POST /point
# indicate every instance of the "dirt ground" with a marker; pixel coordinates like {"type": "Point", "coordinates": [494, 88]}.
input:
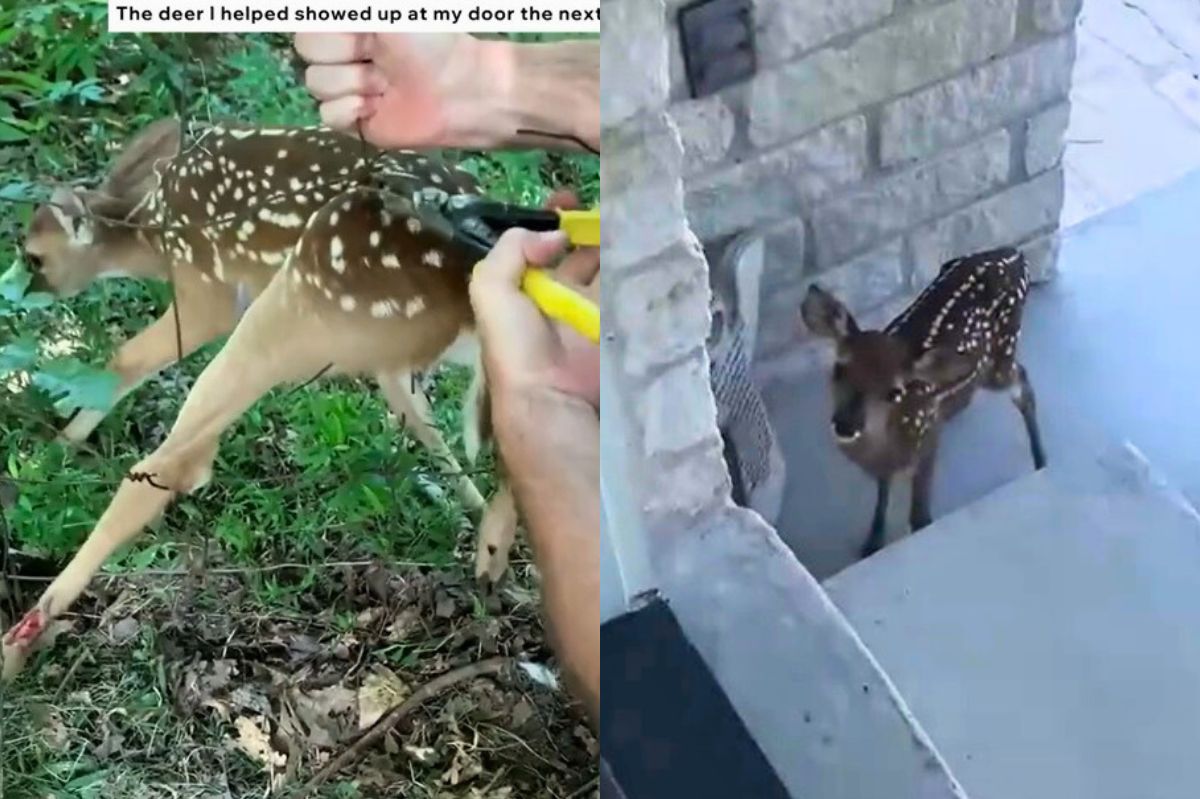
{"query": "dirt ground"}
{"type": "Point", "coordinates": [186, 686]}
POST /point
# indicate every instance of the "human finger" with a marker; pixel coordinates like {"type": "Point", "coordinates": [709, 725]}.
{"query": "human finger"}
{"type": "Point", "coordinates": [344, 112]}
{"type": "Point", "coordinates": [329, 82]}
{"type": "Point", "coordinates": [580, 267]}
{"type": "Point", "coordinates": [515, 250]}
{"type": "Point", "coordinates": [562, 200]}
{"type": "Point", "coordinates": [333, 48]}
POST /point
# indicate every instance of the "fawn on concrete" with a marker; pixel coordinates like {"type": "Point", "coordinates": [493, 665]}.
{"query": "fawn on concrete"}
{"type": "Point", "coordinates": [893, 389]}
{"type": "Point", "coordinates": [282, 220]}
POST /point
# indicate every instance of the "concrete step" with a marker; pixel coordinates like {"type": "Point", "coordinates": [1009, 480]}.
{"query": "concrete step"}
{"type": "Point", "coordinates": [1046, 637]}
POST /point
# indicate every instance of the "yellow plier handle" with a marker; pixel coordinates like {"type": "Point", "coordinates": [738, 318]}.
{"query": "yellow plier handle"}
{"type": "Point", "coordinates": [558, 301]}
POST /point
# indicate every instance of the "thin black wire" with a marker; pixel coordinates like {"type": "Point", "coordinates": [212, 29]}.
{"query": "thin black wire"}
{"type": "Point", "coordinates": [560, 136]}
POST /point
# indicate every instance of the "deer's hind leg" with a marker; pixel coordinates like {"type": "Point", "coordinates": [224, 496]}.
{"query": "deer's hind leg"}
{"type": "Point", "coordinates": [1009, 374]}
{"type": "Point", "coordinates": [275, 343]}
{"type": "Point", "coordinates": [412, 407]}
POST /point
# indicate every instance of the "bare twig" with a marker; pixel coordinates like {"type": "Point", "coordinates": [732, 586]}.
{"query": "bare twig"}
{"type": "Point", "coordinates": [586, 789]}
{"type": "Point", "coordinates": [397, 714]}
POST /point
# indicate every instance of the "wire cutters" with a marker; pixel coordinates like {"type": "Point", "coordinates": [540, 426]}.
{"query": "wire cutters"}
{"type": "Point", "coordinates": [477, 223]}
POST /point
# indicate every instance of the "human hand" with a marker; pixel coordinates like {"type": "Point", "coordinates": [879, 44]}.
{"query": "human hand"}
{"type": "Point", "coordinates": [408, 90]}
{"type": "Point", "coordinates": [524, 351]}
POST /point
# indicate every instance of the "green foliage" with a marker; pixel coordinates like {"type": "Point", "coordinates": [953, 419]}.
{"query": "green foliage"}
{"type": "Point", "coordinates": [304, 477]}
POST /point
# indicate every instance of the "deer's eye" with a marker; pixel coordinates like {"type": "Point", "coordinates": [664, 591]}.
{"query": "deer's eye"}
{"type": "Point", "coordinates": [896, 395]}
{"type": "Point", "coordinates": [34, 261]}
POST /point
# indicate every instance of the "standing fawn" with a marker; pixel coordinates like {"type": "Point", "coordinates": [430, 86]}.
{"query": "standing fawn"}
{"type": "Point", "coordinates": [893, 389]}
{"type": "Point", "coordinates": [336, 285]}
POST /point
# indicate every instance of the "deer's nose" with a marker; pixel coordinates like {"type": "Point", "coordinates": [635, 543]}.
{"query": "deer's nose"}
{"type": "Point", "coordinates": [848, 421]}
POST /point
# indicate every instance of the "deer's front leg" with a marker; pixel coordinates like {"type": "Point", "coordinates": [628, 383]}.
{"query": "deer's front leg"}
{"type": "Point", "coordinates": [883, 488]}
{"type": "Point", "coordinates": [919, 514]}
{"type": "Point", "coordinates": [275, 343]}
{"type": "Point", "coordinates": [205, 313]}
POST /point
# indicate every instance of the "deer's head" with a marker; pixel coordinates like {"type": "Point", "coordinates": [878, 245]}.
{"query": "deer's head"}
{"type": "Point", "coordinates": [81, 235]}
{"type": "Point", "coordinates": [881, 386]}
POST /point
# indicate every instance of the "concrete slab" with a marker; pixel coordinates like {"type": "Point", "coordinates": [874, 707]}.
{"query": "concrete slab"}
{"type": "Point", "coordinates": [1110, 347]}
{"type": "Point", "coordinates": [1124, 138]}
{"type": "Point", "coordinates": [1135, 121]}
{"type": "Point", "coordinates": [1045, 637]}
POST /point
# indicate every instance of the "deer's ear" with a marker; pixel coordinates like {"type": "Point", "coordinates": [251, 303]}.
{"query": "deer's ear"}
{"type": "Point", "coordinates": [942, 364]}
{"type": "Point", "coordinates": [132, 173]}
{"type": "Point", "coordinates": [825, 315]}
{"type": "Point", "coordinates": [70, 212]}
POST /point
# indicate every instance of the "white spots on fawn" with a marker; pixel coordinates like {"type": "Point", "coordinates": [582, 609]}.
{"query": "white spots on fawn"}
{"type": "Point", "coordinates": [218, 263]}
{"type": "Point", "coordinates": [273, 258]}
{"type": "Point", "coordinates": [281, 154]}
{"type": "Point", "coordinates": [289, 220]}
{"type": "Point", "coordinates": [334, 218]}
{"type": "Point", "coordinates": [432, 258]}
{"type": "Point", "coordinates": [374, 238]}
{"type": "Point", "coordinates": [381, 309]}
{"type": "Point", "coordinates": [269, 170]}
{"type": "Point", "coordinates": [246, 230]}
{"type": "Point", "coordinates": [295, 185]}
{"type": "Point", "coordinates": [414, 225]}
{"type": "Point", "coordinates": [414, 306]}
{"type": "Point", "coordinates": [335, 254]}
{"type": "Point", "coordinates": [390, 261]}
{"type": "Point", "coordinates": [348, 303]}
{"type": "Point", "coordinates": [210, 209]}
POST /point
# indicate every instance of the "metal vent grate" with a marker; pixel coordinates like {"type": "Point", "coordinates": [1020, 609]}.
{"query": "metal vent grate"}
{"type": "Point", "coordinates": [752, 452]}
{"type": "Point", "coordinates": [717, 38]}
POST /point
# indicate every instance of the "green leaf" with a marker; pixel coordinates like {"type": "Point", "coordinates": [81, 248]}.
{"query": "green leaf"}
{"type": "Point", "coordinates": [21, 190]}
{"type": "Point", "coordinates": [10, 134]}
{"type": "Point", "coordinates": [36, 300]}
{"type": "Point", "coordinates": [74, 385]}
{"type": "Point", "coordinates": [14, 282]}
{"type": "Point", "coordinates": [17, 355]}
{"type": "Point", "coordinates": [35, 82]}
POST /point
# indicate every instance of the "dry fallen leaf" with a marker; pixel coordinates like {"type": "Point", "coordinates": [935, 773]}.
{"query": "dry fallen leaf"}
{"type": "Point", "coordinates": [421, 754]}
{"type": "Point", "coordinates": [330, 715]}
{"type": "Point", "coordinates": [381, 691]}
{"type": "Point", "coordinates": [50, 727]}
{"type": "Point", "coordinates": [256, 743]}
{"type": "Point", "coordinates": [124, 630]}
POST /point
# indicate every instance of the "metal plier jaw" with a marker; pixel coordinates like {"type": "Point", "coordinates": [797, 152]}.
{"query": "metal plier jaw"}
{"type": "Point", "coordinates": [476, 223]}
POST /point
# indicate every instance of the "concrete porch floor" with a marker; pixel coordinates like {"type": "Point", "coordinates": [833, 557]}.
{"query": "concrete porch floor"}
{"type": "Point", "coordinates": [1110, 346]}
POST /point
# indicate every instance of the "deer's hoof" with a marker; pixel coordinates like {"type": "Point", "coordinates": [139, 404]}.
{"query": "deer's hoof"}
{"type": "Point", "coordinates": [491, 564]}
{"type": "Point", "coordinates": [13, 661]}
{"type": "Point", "coordinates": [870, 548]}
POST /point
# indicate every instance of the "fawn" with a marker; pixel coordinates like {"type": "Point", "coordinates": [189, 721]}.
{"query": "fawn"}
{"type": "Point", "coordinates": [336, 284]}
{"type": "Point", "coordinates": [892, 389]}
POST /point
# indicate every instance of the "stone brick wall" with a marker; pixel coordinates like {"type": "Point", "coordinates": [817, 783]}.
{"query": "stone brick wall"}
{"type": "Point", "coordinates": [760, 621]}
{"type": "Point", "coordinates": [879, 139]}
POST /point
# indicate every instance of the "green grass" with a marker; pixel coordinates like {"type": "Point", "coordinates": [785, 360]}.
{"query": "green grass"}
{"type": "Point", "coordinates": [305, 477]}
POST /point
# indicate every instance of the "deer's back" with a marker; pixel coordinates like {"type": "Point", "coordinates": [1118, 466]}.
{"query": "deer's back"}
{"type": "Point", "coordinates": [235, 202]}
{"type": "Point", "coordinates": [974, 304]}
